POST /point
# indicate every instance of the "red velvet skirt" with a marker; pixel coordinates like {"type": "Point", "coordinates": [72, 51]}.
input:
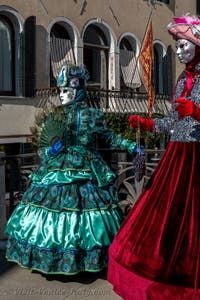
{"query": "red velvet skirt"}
{"type": "Point", "coordinates": [156, 252]}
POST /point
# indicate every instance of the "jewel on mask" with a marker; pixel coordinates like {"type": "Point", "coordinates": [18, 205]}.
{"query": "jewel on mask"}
{"type": "Point", "coordinates": [74, 82]}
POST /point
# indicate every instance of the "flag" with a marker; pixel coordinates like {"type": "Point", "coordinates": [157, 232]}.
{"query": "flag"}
{"type": "Point", "coordinates": [146, 61]}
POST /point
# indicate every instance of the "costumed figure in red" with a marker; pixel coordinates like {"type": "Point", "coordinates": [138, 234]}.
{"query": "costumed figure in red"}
{"type": "Point", "coordinates": [156, 253]}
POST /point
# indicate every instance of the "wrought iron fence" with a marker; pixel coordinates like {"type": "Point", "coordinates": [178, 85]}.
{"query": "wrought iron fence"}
{"type": "Point", "coordinates": [127, 101]}
{"type": "Point", "coordinates": [17, 168]}
{"type": "Point", "coordinates": [111, 100]}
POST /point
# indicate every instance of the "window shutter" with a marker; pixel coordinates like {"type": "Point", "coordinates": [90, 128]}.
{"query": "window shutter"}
{"type": "Point", "coordinates": [198, 7]}
{"type": "Point", "coordinates": [169, 63]}
{"type": "Point", "coordinates": [30, 56]}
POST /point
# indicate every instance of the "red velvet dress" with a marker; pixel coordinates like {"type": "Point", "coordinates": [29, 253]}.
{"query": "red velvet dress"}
{"type": "Point", "coordinates": [156, 253]}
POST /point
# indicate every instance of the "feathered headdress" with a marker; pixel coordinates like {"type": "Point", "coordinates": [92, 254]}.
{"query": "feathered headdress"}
{"type": "Point", "coordinates": [69, 71]}
{"type": "Point", "coordinates": [186, 27]}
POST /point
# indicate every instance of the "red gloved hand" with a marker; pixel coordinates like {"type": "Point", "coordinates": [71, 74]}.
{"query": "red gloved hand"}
{"type": "Point", "coordinates": [187, 108]}
{"type": "Point", "coordinates": [145, 124]}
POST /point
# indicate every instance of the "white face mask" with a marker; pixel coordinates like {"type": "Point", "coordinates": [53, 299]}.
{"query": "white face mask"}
{"type": "Point", "coordinates": [185, 50]}
{"type": "Point", "coordinates": [67, 95]}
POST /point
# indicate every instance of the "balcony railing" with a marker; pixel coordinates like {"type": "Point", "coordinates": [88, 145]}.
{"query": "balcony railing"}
{"type": "Point", "coordinates": [111, 100]}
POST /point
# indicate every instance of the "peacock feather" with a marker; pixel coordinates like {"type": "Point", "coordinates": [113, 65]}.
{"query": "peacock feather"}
{"type": "Point", "coordinates": [48, 127]}
{"type": "Point", "coordinates": [51, 132]}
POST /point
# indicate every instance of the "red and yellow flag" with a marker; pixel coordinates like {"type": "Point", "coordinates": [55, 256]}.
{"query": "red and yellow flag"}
{"type": "Point", "coordinates": [146, 61]}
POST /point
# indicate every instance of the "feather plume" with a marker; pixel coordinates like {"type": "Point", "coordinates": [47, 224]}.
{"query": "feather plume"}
{"type": "Point", "coordinates": [52, 131]}
{"type": "Point", "coordinates": [187, 19]}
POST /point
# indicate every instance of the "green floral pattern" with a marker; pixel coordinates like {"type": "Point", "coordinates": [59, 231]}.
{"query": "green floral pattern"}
{"type": "Point", "coordinates": [54, 261]}
{"type": "Point", "coordinates": [72, 196]}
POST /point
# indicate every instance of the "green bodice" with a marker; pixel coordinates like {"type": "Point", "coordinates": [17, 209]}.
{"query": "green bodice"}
{"type": "Point", "coordinates": [79, 160]}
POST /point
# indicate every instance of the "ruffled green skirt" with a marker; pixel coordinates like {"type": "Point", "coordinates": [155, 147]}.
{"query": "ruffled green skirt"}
{"type": "Point", "coordinates": [64, 229]}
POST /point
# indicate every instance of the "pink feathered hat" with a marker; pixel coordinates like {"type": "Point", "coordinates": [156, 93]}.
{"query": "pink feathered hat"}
{"type": "Point", "coordinates": [186, 27]}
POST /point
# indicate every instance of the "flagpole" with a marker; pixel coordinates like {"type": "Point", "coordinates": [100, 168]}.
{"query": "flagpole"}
{"type": "Point", "coordinates": [148, 21]}
{"type": "Point", "coordinates": [136, 65]}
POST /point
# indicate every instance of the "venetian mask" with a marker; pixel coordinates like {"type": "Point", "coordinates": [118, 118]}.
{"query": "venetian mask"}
{"type": "Point", "coordinates": [67, 95]}
{"type": "Point", "coordinates": [185, 50]}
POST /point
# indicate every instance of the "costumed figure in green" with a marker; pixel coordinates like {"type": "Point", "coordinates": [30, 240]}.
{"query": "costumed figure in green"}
{"type": "Point", "coordinates": [69, 214]}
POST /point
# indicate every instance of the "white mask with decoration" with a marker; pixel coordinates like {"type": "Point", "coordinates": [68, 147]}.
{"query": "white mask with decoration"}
{"type": "Point", "coordinates": [68, 94]}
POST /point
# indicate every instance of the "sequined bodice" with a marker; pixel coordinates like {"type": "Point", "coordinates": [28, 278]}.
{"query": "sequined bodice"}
{"type": "Point", "coordinates": [187, 129]}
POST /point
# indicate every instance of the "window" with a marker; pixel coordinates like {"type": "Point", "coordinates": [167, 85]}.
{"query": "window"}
{"type": "Point", "coordinates": [129, 73]}
{"type": "Point", "coordinates": [162, 69]}
{"type": "Point", "coordinates": [158, 68]}
{"type": "Point", "coordinates": [164, 1]}
{"type": "Point", "coordinates": [61, 50]}
{"type": "Point", "coordinates": [198, 7]}
{"type": "Point", "coordinates": [7, 66]}
{"type": "Point", "coordinates": [30, 56]}
{"type": "Point", "coordinates": [155, 1]}
{"type": "Point", "coordinates": [96, 57]}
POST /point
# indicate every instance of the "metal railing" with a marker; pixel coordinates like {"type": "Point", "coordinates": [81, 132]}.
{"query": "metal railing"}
{"type": "Point", "coordinates": [111, 100]}
{"type": "Point", "coordinates": [15, 170]}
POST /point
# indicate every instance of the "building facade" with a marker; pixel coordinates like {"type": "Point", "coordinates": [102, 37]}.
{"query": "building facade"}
{"type": "Point", "coordinates": [38, 36]}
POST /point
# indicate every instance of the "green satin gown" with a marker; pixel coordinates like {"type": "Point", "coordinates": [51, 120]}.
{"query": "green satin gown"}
{"type": "Point", "coordinates": [69, 214]}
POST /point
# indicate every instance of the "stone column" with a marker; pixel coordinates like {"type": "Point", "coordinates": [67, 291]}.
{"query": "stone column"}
{"type": "Point", "coordinates": [3, 220]}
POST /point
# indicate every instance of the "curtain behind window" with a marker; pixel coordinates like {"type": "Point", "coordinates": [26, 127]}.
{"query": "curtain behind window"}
{"type": "Point", "coordinates": [61, 52]}
{"type": "Point", "coordinates": [6, 62]}
{"type": "Point", "coordinates": [129, 69]}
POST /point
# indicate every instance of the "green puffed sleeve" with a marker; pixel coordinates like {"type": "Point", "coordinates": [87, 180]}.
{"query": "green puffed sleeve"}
{"type": "Point", "coordinates": [112, 139]}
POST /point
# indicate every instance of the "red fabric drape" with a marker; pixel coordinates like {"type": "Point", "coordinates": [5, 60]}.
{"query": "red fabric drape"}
{"type": "Point", "coordinates": [160, 238]}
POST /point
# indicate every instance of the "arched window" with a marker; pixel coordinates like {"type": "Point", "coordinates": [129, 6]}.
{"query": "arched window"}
{"type": "Point", "coordinates": [7, 65]}
{"type": "Point", "coordinates": [160, 75]}
{"type": "Point", "coordinates": [129, 74]}
{"type": "Point", "coordinates": [198, 7]}
{"type": "Point", "coordinates": [96, 56]}
{"type": "Point", "coordinates": [61, 50]}
{"type": "Point", "coordinates": [163, 64]}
